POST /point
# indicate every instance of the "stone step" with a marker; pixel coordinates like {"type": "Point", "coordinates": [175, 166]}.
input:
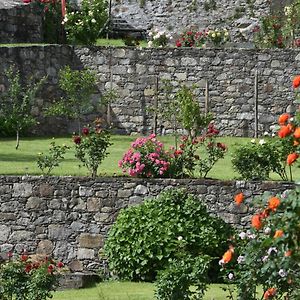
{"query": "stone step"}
{"type": "Point", "coordinates": [77, 280]}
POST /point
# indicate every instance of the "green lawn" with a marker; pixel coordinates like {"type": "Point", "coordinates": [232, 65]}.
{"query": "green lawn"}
{"type": "Point", "coordinates": [23, 161]}
{"type": "Point", "coordinates": [126, 291]}
{"type": "Point", "coordinates": [116, 43]}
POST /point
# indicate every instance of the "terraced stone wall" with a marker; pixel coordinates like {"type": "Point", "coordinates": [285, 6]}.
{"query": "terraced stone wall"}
{"type": "Point", "coordinates": [69, 217]}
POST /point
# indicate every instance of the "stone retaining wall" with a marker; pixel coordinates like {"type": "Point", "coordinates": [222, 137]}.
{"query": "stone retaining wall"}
{"type": "Point", "coordinates": [69, 217]}
{"type": "Point", "coordinates": [20, 24]}
{"type": "Point", "coordinates": [133, 73]}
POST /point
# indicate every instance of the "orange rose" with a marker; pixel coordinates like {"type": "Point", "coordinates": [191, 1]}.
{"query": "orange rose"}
{"type": "Point", "coordinates": [239, 198]}
{"type": "Point", "coordinates": [269, 293]}
{"type": "Point", "coordinates": [283, 119]}
{"type": "Point", "coordinates": [296, 82]}
{"type": "Point", "coordinates": [297, 133]}
{"type": "Point", "coordinates": [273, 202]}
{"type": "Point", "coordinates": [296, 143]}
{"type": "Point", "coordinates": [284, 131]}
{"type": "Point", "coordinates": [292, 158]}
{"type": "Point", "coordinates": [227, 257]}
{"type": "Point", "coordinates": [278, 233]}
{"type": "Point", "coordinates": [256, 222]}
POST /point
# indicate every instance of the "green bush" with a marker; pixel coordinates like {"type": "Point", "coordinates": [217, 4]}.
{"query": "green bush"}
{"type": "Point", "coordinates": [175, 281]}
{"type": "Point", "coordinates": [144, 238]}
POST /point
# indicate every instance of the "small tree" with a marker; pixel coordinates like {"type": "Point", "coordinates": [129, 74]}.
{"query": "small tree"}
{"type": "Point", "coordinates": [78, 87]}
{"type": "Point", "coordinates": [16, 103]}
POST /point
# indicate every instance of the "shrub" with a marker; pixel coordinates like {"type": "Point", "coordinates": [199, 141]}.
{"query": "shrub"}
{"type": "Point", "coordinates": [83, 26]}
{"type": "Point", "coordinates": [192, 38]}
{"type": "Point", "coordinates": [158, 38]}
{"type": "Point", "coordinates": [24, 279]}
{"type": "Point", "coordinates": [91, 147]}
{"type": "Point", "coordinates": [268, 253]}
{"type": "Point", "coordinates": [176, 280]}
{"type": "Point", "coordinates": [144, 238]}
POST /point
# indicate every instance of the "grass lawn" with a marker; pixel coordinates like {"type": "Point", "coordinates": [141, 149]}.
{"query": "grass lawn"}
{"type": "Point", "coordinates": [116, 43]}
{"type": "Point", "coordinates": [23, 160]}
{"type": "Point", "coordinates": [126, 291]}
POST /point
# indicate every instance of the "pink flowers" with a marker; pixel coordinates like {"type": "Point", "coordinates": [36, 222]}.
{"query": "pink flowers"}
{"type": "Point", "coordinates": [146, 158]}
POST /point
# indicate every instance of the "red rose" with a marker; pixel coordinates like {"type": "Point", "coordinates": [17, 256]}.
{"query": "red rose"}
{"type": "Point", "coordinates": [60, 264]}
{"type": "Point", "coordinates": [85, 131]}
{"type": "Point", "coordinates": [77, 139]}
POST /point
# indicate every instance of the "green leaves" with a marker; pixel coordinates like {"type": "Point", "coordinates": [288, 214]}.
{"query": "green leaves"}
{"type": "Point", "coordinates": [146, 237]}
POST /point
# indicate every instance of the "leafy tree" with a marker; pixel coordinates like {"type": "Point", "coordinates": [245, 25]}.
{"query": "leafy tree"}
{"type": "Point", "coordinates": [16, 104]}
{"type": "Point", "coordinates": [78, 87]}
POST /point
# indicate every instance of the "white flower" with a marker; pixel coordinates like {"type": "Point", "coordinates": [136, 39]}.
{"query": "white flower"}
{"type": "Point", "coordinates": [265, 258]}
{"type": "Point", "coordinates": [93, 21]}
{"type": "Point", "coordinates": [240, 259]}
{"type": "Point", "coordinates": [221, 262]}
{"type": "Point", "coordinates": [282, 273]}
{"type": "Point", "coordinates": [242, 235]}
{"type": "Point", "coordinates": [230, 276]}
{"type": "Point", "coordinates": [267, 230]}
{"type": "Point", "coordinates": [150, 44]}
{"type": "Point", "coordinates": [253, 141]}
{"type": "Point", "coordinates": [261, 142]}
{"type": "Point", "coordinates": [272, 249]}
{"type": "Point", "coordinates": [150, 33]}
{"type": "Point", "coordinates": [291, 119]}
{"type": "Point", "coordinates": [266, 133]}
{"type": "Point", "coordinates": [65, 20]}
{"type": "Point", "coordinates": [90, 13]}
{"type": "Point", "coordinates": [180, 238]}
{"type": "Point", "coordinates": [213, 35]}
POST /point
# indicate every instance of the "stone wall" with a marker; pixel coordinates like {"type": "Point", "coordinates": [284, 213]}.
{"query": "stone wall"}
{"type": "Point", "coordinates": [69, 217]}
{"type": "Point", "coordinates": [133, 73]}
{"type": "Point", "coordinates": [19, 23]}
{"type": "Point", "coordinates": [178, 15]}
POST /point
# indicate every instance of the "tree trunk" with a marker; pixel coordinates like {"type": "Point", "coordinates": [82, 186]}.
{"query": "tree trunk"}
{"type": "Point", "coordinates": [18, 140]}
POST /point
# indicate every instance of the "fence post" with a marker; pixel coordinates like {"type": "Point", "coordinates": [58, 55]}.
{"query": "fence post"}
{"type": "Point", "coordinates": [256, 105]}
{"type": "Point", "coordinates": [155, 106]}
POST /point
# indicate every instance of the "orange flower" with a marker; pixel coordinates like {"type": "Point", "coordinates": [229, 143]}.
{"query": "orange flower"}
{"type": "Point", "coordinates": [274, 202]}
{"type": "Point", "coordinates": [288, 253]}
{"type": "Point", "coordinates": [292, 158]}
{"type": "Point", "coordinates": [297, 133]}
{"type": "Point", "coordinates": [269, 293]}
{"type": "Point", "coordinates": [283, 119]}
{"type": "Point", "coordinates": [227, 257]}
{"type": "Point", "coordinates": [239, 198]}
{"type": "Point", "coordinates": [296, 82]}
{"type": "Point", "coordinates": [256, 222]}
{"type": "Point", "coordinates": [296, 143]}
{"type": "Point", "coordinates": [278, 233]}
{"type": "Point", "coordinates": [284, 131]}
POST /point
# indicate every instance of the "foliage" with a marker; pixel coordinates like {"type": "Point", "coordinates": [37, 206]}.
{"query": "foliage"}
{"type": "Point", "coordinates": [83, 26]}
{"type": "Point", "coordinates": [78, 87]}
{"type": "Point", "coordinates": [218, 36]}
{"type": "Point", "coordinates": [47, 162]}
{"type": "Point", "coordinates": [144, 238]}
{"type": "Point", "coordinates": [192, 38]}
{"type": "Point", "coordinates": [91, 147]}
{"type": "Point", "coordinates": [16, 103]}
{"type": "Point", "coordinates": [158, 38]}
{"type": "Point", "coordinates": [255, 160]}
{"type": "Point", "coordinates": [176, 280]}
{"type": "Point", "coordinates": [52, 17]}
{"type": "Point", "coordinates": [24, 279]}
{"type": "Point", "coordinates": [268, 253]}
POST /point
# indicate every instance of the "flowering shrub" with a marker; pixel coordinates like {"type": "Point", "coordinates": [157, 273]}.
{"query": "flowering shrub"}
{"type": "Point", "coordinates": [26, 279]}
{"type": "Point", "coordinates": [192, 38]}
{"type": "Point", "coordinates": [267, 254]}
{"type": "Point", "coordinates": [159, 38]}
{"type": "Point", "coordinates": [47, 162]}
{"type": "Point", "coordinates": [91, 147]}
{"type": "Point", "coordinates": [83, 26]}
{"type": "Point", "coordinates": [218, 36]}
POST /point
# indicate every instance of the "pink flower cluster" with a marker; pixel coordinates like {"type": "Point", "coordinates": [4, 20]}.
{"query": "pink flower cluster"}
{"type": "Point", "coordinates": [146, 158]}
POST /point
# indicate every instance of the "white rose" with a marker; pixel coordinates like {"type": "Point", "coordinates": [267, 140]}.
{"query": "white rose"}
{"type": "Point", "coordinates": [93, 21]}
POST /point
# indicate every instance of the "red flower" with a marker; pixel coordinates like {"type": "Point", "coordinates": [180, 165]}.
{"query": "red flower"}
{"type": "Point", "coordinates": [296, 82]}
{"type": "Point", "coordinates": [284, 131]}
{"type": "Point", "coordinates": [178, 152]}
{"type": "Point", "coordinates": [256, 222]}
{"type": "Point", "coordinates": [28, 268]}
{"type": "Point", "coordinates": [227, 257]}
{"type": "Point", "coordinates": [269, 293]}
{"type": "Point", "coordinates": [77, 139]}
{"type": "Point", "coordinates": [273, 203]}
{"type": "Point", "coordinates": [283, 119]}
{"type": "Point", "coordinates": [239, 198]}
{"type": "Point", "coordinates": [26, 1]}
{"type": "Point", "coordinates": [85, 131]}
{"type": "Point", "coordinates": [50, 269]}
{"type": "Point", "coordinates": [60, 264]}
{"type": "Point", "coordinates": [221, 146]}
{"type": "Point", "coordinates": [297, 133]}
{"type": "Point", "coordinates": [178, 43]}
{"type": "Point", "coordinates": [24, 257]}
{"type": "Point", "coordinates": [292, 158]}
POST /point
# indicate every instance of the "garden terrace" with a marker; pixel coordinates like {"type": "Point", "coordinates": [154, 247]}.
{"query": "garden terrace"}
{"type": "Point", "coordinates": [134, 74]}
{"type": "Point", "coordinates": [69, 217]}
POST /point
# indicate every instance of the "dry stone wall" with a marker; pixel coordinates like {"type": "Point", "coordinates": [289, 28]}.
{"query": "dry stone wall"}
{"type": "Point", "coordinates": [134, 72]}
{"type": "Point", "coordinates": [19, 23]}
{"type": "Point", "coordinates": [69, 217]}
